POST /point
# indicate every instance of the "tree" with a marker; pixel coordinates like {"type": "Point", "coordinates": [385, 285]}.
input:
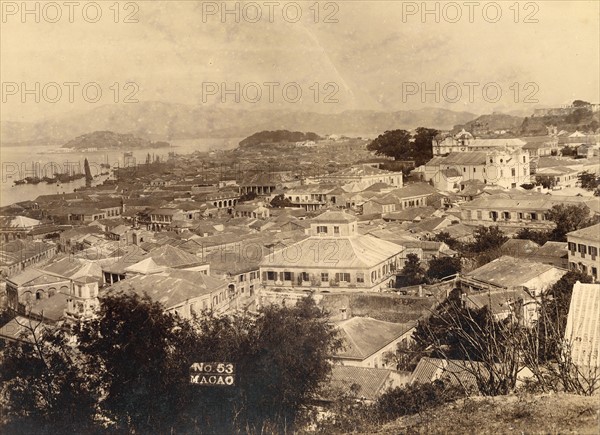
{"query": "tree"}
{"type": "Point", "coordinates": [423, 144]}
{"type": "Point", "coordinates": [487, 239]}
{"type": "Point", "coordinates": [44, 384]}
{"type": "Point", "coordinates": [412, 272]}
{"type": "Point", "coordinates": [281, 360]}
{"type": "Point", "coordinates": [442, 267]}
{"type": "Point", "coordinates": [568, 218]}
{"type": "Point", "coordinates": [475, 337]}
{"type": "Point", "coordinates": [280, 201]}
{"type": "Point", "coordinates": [88, 173]}
{"type": "Point", "coordinates": [580, 103]}
{"type": "Point", "coordinates": [394, 143]}
{"type": "Point", "coordinates": [568, 151]}
{"type": "Point", "coordinates": [539, 237]}
{"type": "Point", "coordinates": [445, 237]}
{"type": "Point", "coordinates": [138, 350]}
{"type": "Point", "coordinates": [248, 196]}
{"type": "Point", "coordinates": [290, 362]}
{"type": "Point", "coordinates": [485, 246]}
{"type": "Point", "coordinates": [547, 182]}
{"type": "Point", "coordinates": [589, 181]}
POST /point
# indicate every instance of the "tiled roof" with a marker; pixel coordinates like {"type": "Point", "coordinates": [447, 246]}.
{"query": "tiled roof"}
{"type": "Point", "coordinates": [171, 288]}
{"type": "Point", "coordinates": [552, 249]}
{"type": "Point", "coordinates": [51, 308]}
{"type": "Point", "coordinates": [333, 217]}
{"type": "Point", "coordinates": [73, 267]}
{"type": "Point", "coordinates": [371, 381]}
{"type": "Point", "coordinates": [363, 336]}
{"type": "Point", "coordinates": [590, 233]}
{"type": "Point", "coordinates": [500, 142]}
{"type": "Point", "coordinates": [19, 328]}
{"type": "Point", "coordinates": [468, 158]}
{"type": "Point", "coordinates": [361, 171]}
{"type": "Point", "coordinates": [509, 272]}
{"type": "Point", "coordinates": [342, 252]}
{"type": "Point", "coordinates": [498, 301]}
{"type": "Point", "coordinates": [146, 266]}
{"type": "Point", "coordinates": [409, 214]}
{"type": "Point", "coordinates": [524, 201]}
{"type": "Point", "coordinates": [170, 256]}
{"type": "Point", "coordinates": [457, 372]}
{"type": "Point", "coordinates": [18, 250]}
{"type": "Point", "coordinates": [18, 222]}
{"type": "Point", "coordinates": [519, 247]}
{"type": "Point", "coordinates": [412, 190]}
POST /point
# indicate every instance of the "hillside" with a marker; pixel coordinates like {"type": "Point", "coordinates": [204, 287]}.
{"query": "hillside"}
{"type": "Point", "coordinates": [569, 119]}
{"type": "Point", "coordinates": [488, 124]}
{"type": "Point", "coordinates": [107, 140]}
{"type": "Point", "coordinates": [547, 414]}
{"type": "Point", "coordinates": [168, 121]}
{"type": "Point", "coordinates": [278, 136]}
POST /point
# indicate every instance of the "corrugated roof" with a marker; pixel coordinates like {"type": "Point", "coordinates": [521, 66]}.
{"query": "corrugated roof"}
{"type": "Point", "coordinates": [583, 325]}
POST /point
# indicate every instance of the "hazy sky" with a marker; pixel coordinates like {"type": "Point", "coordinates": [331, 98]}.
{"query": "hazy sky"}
{"type": "Point", "coordinates": [377, 56]}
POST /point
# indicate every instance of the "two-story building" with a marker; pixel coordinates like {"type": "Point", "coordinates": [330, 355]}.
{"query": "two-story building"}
{"type": "Point", "coordinates": [363, 175]}
{"type": "Point", "coordinates": [501, 167]}
{"type": "Point", "coordinates": [516, 210]}
{"type": "Point", "coordinates": [367, 342]}
{"type": "Point", "coordinates": [335, 257]}
{"type": "Point", "coordinates": [312, 197]}
{"type": "Point", "coordinates": [19, 254]}
{"type": "Point", "coordinates": [464, 141]}
{"type": "Point", "coordinates": [182, 292]}
{"type": "Point", "coordinates": [583, 246]}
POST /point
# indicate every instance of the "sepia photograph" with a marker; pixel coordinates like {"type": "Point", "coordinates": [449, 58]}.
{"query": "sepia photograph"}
{"type": "Point", "coordinates": [303, 217]}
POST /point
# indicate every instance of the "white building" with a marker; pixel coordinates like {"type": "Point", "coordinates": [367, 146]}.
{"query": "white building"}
{"type": "Point", "coordinates": [334, 257]}
{"type": "Point", "coordinates": [502, 167]}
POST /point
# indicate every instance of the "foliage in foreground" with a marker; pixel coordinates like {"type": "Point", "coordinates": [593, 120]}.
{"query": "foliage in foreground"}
{"type": "Point", "coordinates": [128, 371]}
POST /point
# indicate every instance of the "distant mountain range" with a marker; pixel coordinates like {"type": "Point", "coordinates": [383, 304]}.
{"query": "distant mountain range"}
{"type": "Point", "coordinates": [168, 121]}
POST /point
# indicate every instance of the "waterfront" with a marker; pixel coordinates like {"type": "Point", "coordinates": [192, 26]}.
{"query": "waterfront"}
{"type": "Point", "coordinates": [19, 162]}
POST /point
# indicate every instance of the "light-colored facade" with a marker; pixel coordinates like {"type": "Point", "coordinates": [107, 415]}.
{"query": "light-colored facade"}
{"type": "Point", "coordinates": [502, 167]}
{"type": "Point", "coordinates": [583, 246]}
{"type": "Point", "coordinates": [363, 176]}
{"type": "Point", "coordinates": [334, 258]}
{"type": "Point", "coordinates": [515, 210]}
{"type": "Point", "coordinates": [368, 341]}
{"type": "Point", "coordinates": [511, 273]}
{"type": "Point", "coordinates": [465, 142]}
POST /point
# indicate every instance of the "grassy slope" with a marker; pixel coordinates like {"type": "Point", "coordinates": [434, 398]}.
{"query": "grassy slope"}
{"type": "Point", "coordinates": [547, 414]}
